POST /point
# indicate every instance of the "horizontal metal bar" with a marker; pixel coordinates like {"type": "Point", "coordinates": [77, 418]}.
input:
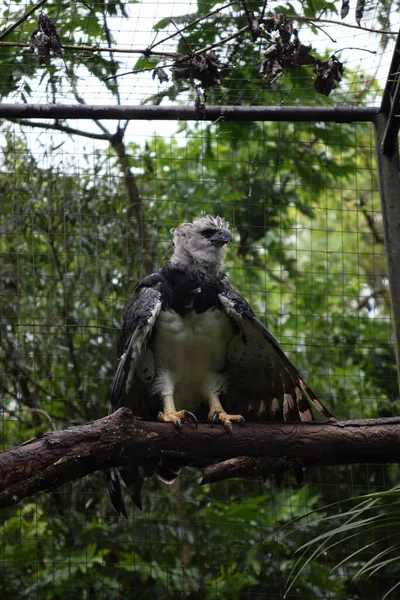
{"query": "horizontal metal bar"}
{"type": "Point", "coordinates": [338, 114]}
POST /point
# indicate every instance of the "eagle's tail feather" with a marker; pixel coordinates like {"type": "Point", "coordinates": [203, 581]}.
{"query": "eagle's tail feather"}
{"type": "Point", "coordinates": [118, 383]}
{"type": "Point", "coordinates": [114, 490]}
{"type": "Point", "coordinates": [134, 476]}
{"type": "Point", "coordinates": [296, 406]}
{"type": "Point", "coordinates": [133, 480]}
{"type": "Point", "coordinates": [169, 468]}
{"type": "Point", "coordinates": [303, 406]}
{"type": "Point", "coordinates": [290, 408]}
{"type": "Point", "coordinates": [317, 402]}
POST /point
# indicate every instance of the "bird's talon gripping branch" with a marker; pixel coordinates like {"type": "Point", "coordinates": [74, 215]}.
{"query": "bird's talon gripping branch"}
{"type": "Point", "coordinates": [217, 414]}
{"type": "Point", "coordinates": [220, 416]}
{"type": "Point", "coordinates": [191, 417]}
{"type": "Point", "coordinates": [214, 418]}
{"type": "Point", "coordinates": [177, 418]}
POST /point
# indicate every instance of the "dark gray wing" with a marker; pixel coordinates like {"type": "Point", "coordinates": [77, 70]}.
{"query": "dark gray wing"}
{"type": "Point", "coordinates": [262, 382]}
{"type": "Point", "coordinates": [135, 368]}
{"type": "Point", "coordinates": [128, 387]}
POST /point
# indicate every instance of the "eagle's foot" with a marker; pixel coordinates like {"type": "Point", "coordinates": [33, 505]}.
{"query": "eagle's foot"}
{"type": "Point", "coordinates": [220, 416]}
{"type": "Point", "coordinates": [177, 418]}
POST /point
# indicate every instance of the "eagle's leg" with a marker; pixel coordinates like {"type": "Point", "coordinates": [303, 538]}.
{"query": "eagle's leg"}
{"type": "Point", "coordinates": [169, 414]}
{"type": "Point", "coordinates": [217, 414]}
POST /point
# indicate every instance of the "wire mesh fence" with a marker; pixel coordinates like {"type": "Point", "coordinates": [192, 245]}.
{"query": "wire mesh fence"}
{"type": "Point", "coordinates": [156, 52]}
{"type": "Point", "coordinates": [86, 209]}
{"type": "Point", "coordinates": [307, 253]}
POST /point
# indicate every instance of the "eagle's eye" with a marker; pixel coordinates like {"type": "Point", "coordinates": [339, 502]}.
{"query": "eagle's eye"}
{"type": "Point", "coordinates": [207, 233]}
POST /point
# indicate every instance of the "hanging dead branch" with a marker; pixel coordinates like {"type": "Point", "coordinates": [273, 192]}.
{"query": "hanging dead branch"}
{"type": "Point", "coordinates": [117, 440]}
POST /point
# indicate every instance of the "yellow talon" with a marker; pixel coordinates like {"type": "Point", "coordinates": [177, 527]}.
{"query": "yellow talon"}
{"type": "Point", "coordinates": [220, 416]}
{"type": "Point", "coordinates": [217, 414]}
{"type": "Point", "coordinates": [177, 418]}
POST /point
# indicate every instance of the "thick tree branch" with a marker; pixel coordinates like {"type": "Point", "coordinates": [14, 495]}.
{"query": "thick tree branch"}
{"type": "Point", "coordinates": [61, 456]}
{"type": "Point", "coordinates": [136, 204]}
{"type": "Point", "coordinates": [376, 233]}
{"type": "Point", "coordinates": [57, 126]}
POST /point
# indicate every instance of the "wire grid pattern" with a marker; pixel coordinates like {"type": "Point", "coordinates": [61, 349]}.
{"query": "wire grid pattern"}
{"type": "Point", "coordinates": [307, 253]}
{"type": "Point", "coordinates": [354, 46]}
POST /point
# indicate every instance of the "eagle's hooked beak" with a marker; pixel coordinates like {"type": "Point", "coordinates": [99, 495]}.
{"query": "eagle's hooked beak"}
{"type": "Point", "coordinates": [221, 237]}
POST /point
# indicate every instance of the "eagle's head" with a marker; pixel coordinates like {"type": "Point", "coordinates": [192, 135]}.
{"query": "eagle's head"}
{"type": "Point", "coordinates": [201, 244]}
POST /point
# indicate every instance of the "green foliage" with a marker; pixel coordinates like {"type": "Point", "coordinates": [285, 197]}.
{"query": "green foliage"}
{"type": "Point", "coordinates": [71, 253]}
{"type": "Point", "coordinates": [77, 24]}
{"type": "Point", "coordinates": [352, 522]}
{"type": "Point", "coordinates": [240, 58]}
{"type": "Point", "coordinates": [298, 198]}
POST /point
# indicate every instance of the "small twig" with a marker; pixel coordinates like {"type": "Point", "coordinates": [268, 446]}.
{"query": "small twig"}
{"type": "Point", "coordinates": [64, 128]}
{"type": "Point", "coordinates": [45, 414]}
{"type": "Point", "coordinates": [325, 32]}
{"type": "Point", "coordinates": [178, 32]}
{"type": "Point", "coordinates": [133, 72]}
{"type": "Point", "coordinates": [221, 42]}
{"type": "Point", "coordinates": [22, 19]}
{"type": "Point", "coordinates": [98, 49]}
{"type": "Point", "coordinates": [248, 15]}
{"type": "Point", "coordinates": [360, 49]}
{"type": "Point", "coordinates": [264, 8]}
{"type": "Point", "coordinates": [87, 6]}
{"type": "Point", "coordinates": [330, 22]}
{"type": "Point", "coordinates": [39, 411]}
{"type": "Point", "coordinates": [191, 24]}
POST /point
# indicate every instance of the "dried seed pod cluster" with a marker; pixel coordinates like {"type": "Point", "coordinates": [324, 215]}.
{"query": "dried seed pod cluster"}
{"type": "Point", "coordinates": [329, 73]}
{"type": "Point", "coordinates": [203, 67]}
{"type": "Point", "coordinates": [285, 50]}
{"type": "Point", "coordinates": [45, 39]}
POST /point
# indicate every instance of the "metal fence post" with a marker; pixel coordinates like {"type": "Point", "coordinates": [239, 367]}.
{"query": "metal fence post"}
{"type": "Point", "coordinates": [389, 186]}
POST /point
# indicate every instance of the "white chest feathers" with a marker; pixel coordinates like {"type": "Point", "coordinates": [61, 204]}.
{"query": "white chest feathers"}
{"type": "Point", "coordinates": [190, 353]}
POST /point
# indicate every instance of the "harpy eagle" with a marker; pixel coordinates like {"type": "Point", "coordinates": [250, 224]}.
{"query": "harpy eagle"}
{"type": "Point", "coordinates": [191, 348]}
